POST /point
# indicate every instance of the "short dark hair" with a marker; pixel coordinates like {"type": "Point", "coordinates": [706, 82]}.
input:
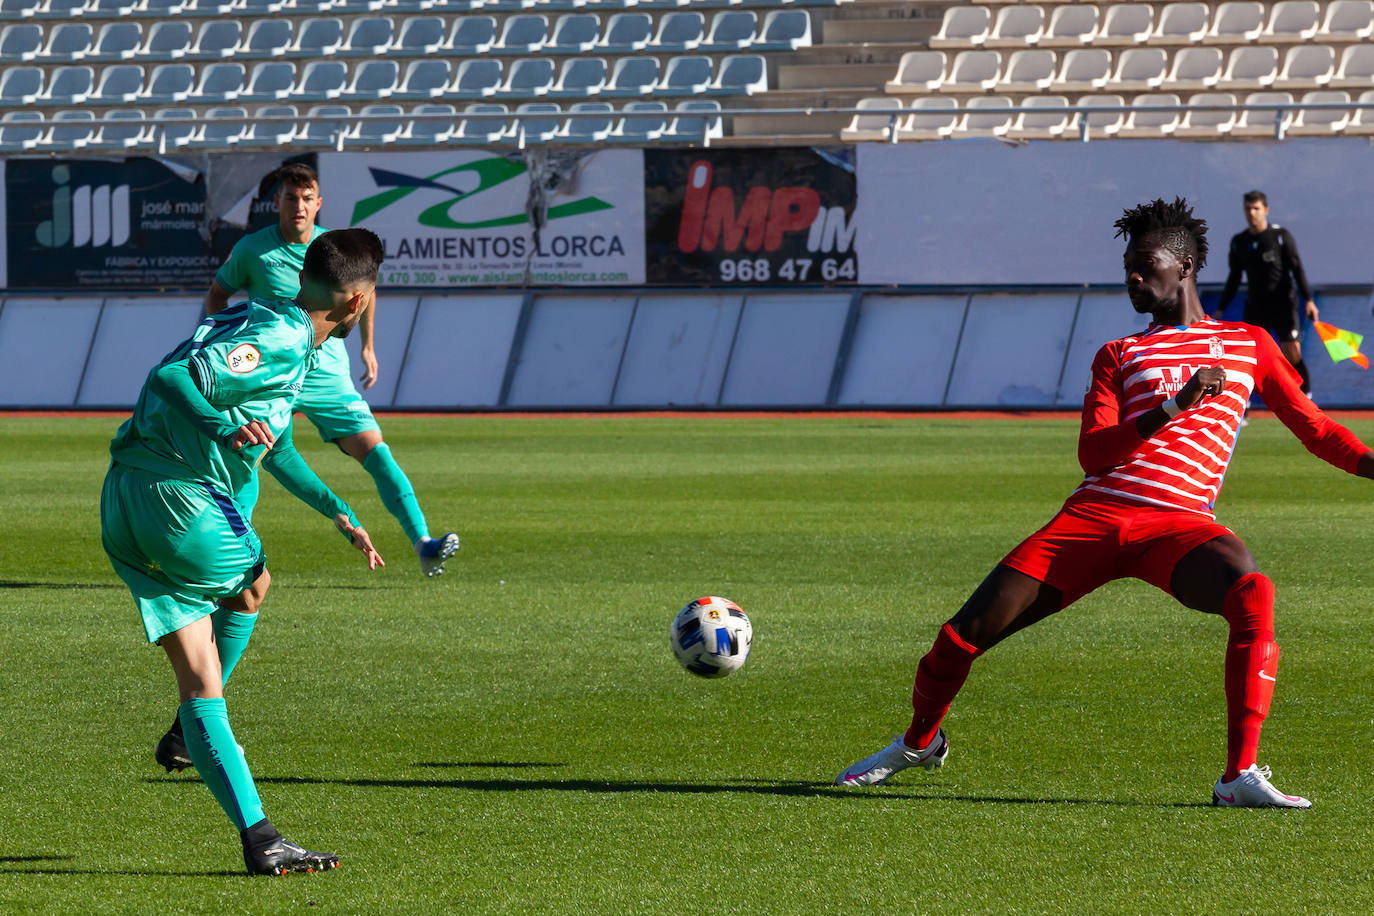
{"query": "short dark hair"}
{"type": "Point", "coordinates": [296, 175]}
{"type": "Point", "coordinates": [1172, 224]}
{"type": "Point", "coordinates": [1256, 197]}
{"type": "Point", "coordinates": [341, 258]}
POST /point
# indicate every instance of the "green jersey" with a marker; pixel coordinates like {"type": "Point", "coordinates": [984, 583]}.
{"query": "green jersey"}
{"type": "Point", "coordinates": [248, 361]}
{"type": "Point", "coordinates": [265, 265]}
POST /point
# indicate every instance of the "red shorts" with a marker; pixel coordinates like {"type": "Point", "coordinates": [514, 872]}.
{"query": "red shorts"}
{"type": "Point", "coordinates": [1091, 542]}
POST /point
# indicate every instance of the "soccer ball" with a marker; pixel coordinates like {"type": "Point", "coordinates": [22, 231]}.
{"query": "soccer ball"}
{"type": "Point", "coordinates": [711, 637]}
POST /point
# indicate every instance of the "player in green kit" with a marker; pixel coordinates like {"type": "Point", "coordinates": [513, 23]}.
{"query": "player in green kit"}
{"type": "Point", "coordinates": [209, 414]}
{"type": "Point", "coordinates": [266, 264]}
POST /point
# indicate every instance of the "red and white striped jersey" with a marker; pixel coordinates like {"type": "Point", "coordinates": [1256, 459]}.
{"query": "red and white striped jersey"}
{"type": "Point", "coordinates": [1183, 464]}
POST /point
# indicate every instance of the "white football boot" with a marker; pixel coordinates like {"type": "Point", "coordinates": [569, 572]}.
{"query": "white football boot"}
{"type": "Point", "coordinates": [1252, 789]}
{"type": "Point", "coordinates": [892, 759]}
{"type": "Point", "coordinates": [435, 552]}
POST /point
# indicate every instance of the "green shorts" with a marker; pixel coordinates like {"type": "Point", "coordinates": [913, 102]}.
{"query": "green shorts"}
{"type": "Point", "coordinates": [329, 398]}
{"type": "Point", "coordinates": [179, 546]}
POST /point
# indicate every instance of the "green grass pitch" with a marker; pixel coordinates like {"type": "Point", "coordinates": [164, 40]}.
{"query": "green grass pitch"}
{"type": "Point", "coordinates": [516, 738]}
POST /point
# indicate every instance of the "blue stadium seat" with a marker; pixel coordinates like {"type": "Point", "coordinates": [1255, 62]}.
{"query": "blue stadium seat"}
{"type": "Point", "coordinates": [267, 38]}
{"type": "Point", "coordinates": [216, 40]}
{"type": "Point", "coordinates": [317, 38]}
{"type": "Point", "coordinates": [580, 77]}
{"type": "Point", "coordinates": [588, 130]}
{"type": "Point", "coordinates": [320, 81]}
{"type": "Point", "coordinates": [67, 43]}
{"type": "Point", "coordinates": [121, 129]}
{"type": "Point", "coordinates": [574, 33]}
{"type": "Point", "coordinates": [75, 132]}
{"type": "Point", "coordinates": [682, 31]}
{"type": "Point", "coordinates": [270, 134]}
{"type": "Point", "coordinates": [633, 76]}
{"type": "Point", "coordinates": [685, 76]}
{"type": "Point", "coordinates": [523, 34]}
{"type": "Point", "coordinates": [166, 137]}
{"type": "Point", "coordinates": [731, 31]}
{"type": "Point", "coordinates": [537, 130]}
{"type": "Point", "coordinates": [61, 9]}
{"type": "Point", "coordinates": [67, 86]}
{"type": "Point", "coordinates": [475, 79]}
{"type": "Point", "coordinates": [431, 131]}
{"type": "Point", "coordinates": [626, 33]}
{"type": "Point", "coordinates": [420, 36]}
{"type": "Point", "coordinates": [741, 74]}
{"type": "Point", "coordinates": [372, 79]}
{"type": "Point", "coordinates": [117, 41]}
{"type": "Point", "coordinates": [119, 84]}
{"type": "Point", "coordinates": [20, 42]}
{"type": "Point", "coordinates": [308, 7]}
{"type": "Point", "coordinates": [208, 8]}
{"type": "Point", "coordinates": [472, 35]}
{"type": "Point", "coordinates": [408, 7]}
{"type": "Point", "coordinates": [11, 10]}
{"type": "Point", "coordinates": [649, 126]}
{"type": "Point", "coordinates": [220, 82]}
{"type": "Point", "coordinates": [330, 130]}
{"type": "Point", "coordinates": [481, 130]}
{"type": "Point", "coordinates": [20, 85]}
{"type": "Point", "coordinates": [258, 8]}
{"type": "Point", "coordinates": [221, 129]}
{"type": "Point", "coordinates": [160, 9]}
{"type": "Point", "coordinates": [694, 123]}
{"type": "Point", "coordinates": [110, 9]}
{"type": "Point", "coordinates": [380, 132]}
{"type": "Point", "coordinates": [357, 7]}
{"type": "Point", "coordinates": [529, 76]}
{"type": "Point", "coordinates": [368, 37]}
{"type": "Point", "coordinates": [784, 30]}
{"type": "Point", "coordinates": [270, 81]}
{"type": "Point", "coordinates": [167, 40]}
{"type": "Point", "coordinates": [14, 136]}
{"type": "Point", "coordinates": [424, 79]}
{"type": "Point", "coordinates": [458, 6]}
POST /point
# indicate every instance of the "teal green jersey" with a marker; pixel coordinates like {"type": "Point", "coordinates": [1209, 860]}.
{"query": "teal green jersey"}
{"type": "Point", "coordinates": [248, 362]}
{"type": "Point", "coordinates": [264, 265]}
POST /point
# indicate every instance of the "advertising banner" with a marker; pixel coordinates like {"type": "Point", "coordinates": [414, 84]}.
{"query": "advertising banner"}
{"type": "Point", "coordinates": [470, 218]}
{"type": "Point", "coordinates": [92, 223]}
{"type": "Point", "coordinates": [765, 217]}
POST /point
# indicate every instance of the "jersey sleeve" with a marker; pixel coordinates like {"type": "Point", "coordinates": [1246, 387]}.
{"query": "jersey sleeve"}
{"type": "Point", "coordinates": [262, 359]}
{"type": "Point", "coordinates": [1104, 440]}
{"type": "Point", "coordinates": [1278, 383]}
{"type": "Point", "coordinates": [232, 275]}
{"type": "Point", "coordinates": [300, 480]}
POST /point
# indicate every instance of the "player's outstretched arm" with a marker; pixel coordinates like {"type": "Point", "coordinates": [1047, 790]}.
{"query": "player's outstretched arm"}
{"type": "Point", "coordinates": [300, 480]}
{"type": "Point", "coordinates": [358, 537]}
{"type": "Point", "coordinates": [369, 351]}
{"type": "Point", "coordinates": [1281, 389]}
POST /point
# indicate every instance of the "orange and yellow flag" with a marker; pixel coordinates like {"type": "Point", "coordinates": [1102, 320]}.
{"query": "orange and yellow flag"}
{"type": "Point", "coordinates": [1342, 344]}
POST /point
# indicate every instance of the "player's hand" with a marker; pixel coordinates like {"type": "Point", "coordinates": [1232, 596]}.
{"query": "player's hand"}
{"type": "Point", "coordinates": [254, 432]}
{"type": "Point", "coordinates": [1205, 383]}
{"type": "Point", "coordinates": [360, 540]}
{"type": "Point", "coordinates": [369, 377]}
{"type": "Point", "coordinates": [1311, 310]}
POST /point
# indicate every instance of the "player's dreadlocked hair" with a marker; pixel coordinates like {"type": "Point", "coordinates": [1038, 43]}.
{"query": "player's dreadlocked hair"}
{"type": "Point", "coordinates": [1172, 224]}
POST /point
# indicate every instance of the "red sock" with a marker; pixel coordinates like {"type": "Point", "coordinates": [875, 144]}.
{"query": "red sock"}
{"type": "Point", "coordinates": [938, 679]}
{"type": "Point", "coordinates": [1252, 660]}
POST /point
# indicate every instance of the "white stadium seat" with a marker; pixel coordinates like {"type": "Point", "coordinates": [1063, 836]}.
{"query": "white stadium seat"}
{"type": "Point", "coordinates": [1356, 68]}
{"type": "Point", "coordinates": [1017, 26]}
{"type": "Point", "coordinates": [935, 120]}
{"type": "Point", "coordinates": [986, 116]}
{"type": "Point", "coordinates": [1248, 67]}
{"type": "Point", "coordinates": [1195, 68]}
{"type": "Point", "coordinates": [1347, 20]}
{"type": "Point", "coordinates": [1101, 123]}
{"type": "Point", "coordinates": [1252, 123]}
{"type": "Point", "coordinates": [1322, 122]}
{"type": "Point", "coordinates": [1181, 24]}
{"type": "Point", "coordinates": [1072, 25]}
{"type": "Point", "coordinates": [1291, 21]}
{"type": "Point", "coordinates": [1236, 22]}
{"type": "Point", "coordinates": [1139, 69]}
{"type": "Point", "coordinates": [1050, 121]}
{"type": "Point", "coordinates": [919, 71]}
{"type": "Point", "coordinates": [1082, 69]}
{"type": "Point", "coordinates": [1152, 115]}
{"type": "Point", "coordinates": [1306, 67]}
{"type": "Point", "coordinates": [1200, 122]}
{"type": "Point", "coordinates": [1028, 70]}
{"type": "Point", "coordinates": [973, 71]}
{"type": "Point", "coordinates": [963, 27]}
{"type": "Point", "coordinates": [1126, 24]}
{"type": "Point", "coordinates": [880, 125]}
{"type": "Point", "coordinates": [1362, 119]}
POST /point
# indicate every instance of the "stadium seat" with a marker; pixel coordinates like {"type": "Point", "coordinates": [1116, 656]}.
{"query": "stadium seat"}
{"type": "Point", "coordinates": [472, 35]}
{"type": "Point", "coordinates": [626, 33]}
{"type": "Point", "coordinates": [784, 30]}
{"type": "Point", "coordinates": [317, 38]}
{"type": "Point", "coordinates": [259, 8]}
{"type": "Point", "coordinates": [372, 79]}
{"type": "Point", "coordinates": [1139, 69]}
{"type": "Point", "coordinates": [76, 130]}
{"type": "Point", "coordinates": [1254, 123]}
{"type": "Point", "coordinates": [166, 136]}
{"type": "Point", "coordinates": [1306, 67]}
{"type": "Point", "coordinates": [1082, 69]}
{"type": "Point", "coordinates": [734, 30]}
{"type": "Point", "coordinates": [119, 84]}
{"type": "Point", "coordinates": [1347, 20]}
{"type": "Point", "coordinates": [643, 126]}
{"type": "Point", "coordinates": [387, 130]}
{"type": "Point", "coordinates": [1322, 122]}
{"type": "Point", "coordinates": [221, 129]}
{"type": "Point", "coordinates": [740, 74]}
{"type": "Point", "coordinates": [1181, 24]}
{"type": "Point", "coordinates": [919, 71]}
{"type": "Point", "coordinates": [1125, 25]}
{"type": "Point", "coordinates": [410, 7]}
{"type": "Point", "coordinates": [1236, 22]}
{"type": "Point", "coordinates": [368, 37]}
{"type": "Point", "coordinates": [985, 116]}
{"type": "Point", "coordinates": [61, 9]}
{"type": "Point", "coordinates": [1050, 121]}
{"type": "Point", "coordinates": [881, 124]}
{"type": "Point", "coordinates": [209, 8]}
{"type": "Point", "coordinates": [679, 32]}
{"type": "Point", "coordinates": [268, 38]}
{"type": "Point", "coordinates": [1028, 70]}
{"type": "Point", "coordinates": [1362, 119]}
{"type": "Point", "coordinates": [481, 130]}
{"type": "Point", "coordinates": [523, 35]}
{"type": "Point", "coordinates": [67, 43]}
{"type": "Point", "coordinates": [264, 133]}
{"type": "Point", "coordinates": [1100, 123]}
{"type": "Point", "coordinates": [121, 129]}
{"type": "Point", "coordinates": [1197, 121]}
{"type": "Point", "coordinates": [67, 86]}
{"type": "Point", "coordinates": [1356, 68]}
{"type": "Point", "coordinates": [430, 131]}
{"type": "Point", "coordinates": [270, 81]}
{"type": "Point", "coordinates": [116, 41]}
{"type": "Point", "coordinates": [685, 76]}
{"type": "Point", "coordinates": [973, 71]}
{"type": "Point", "coordinates": [219, 83]}
{"type": "Point", "coordinates": [1194, 68]}
{"type": "Point", "coordinates": [321, 80]}
{"type": "Point", "coordinates": [159, 9]}
{"type": "Point", "coordinates": [695, 122]}
{"type": "Point", "coordinates": [935, 120]}
{"type": "Point", "coordinates": [15, 137]}
{"type": "Point", "coordinates": [1248, 67]}
{"type": "Point", "coordinates": [963, 27]}
{"type": "Point", "coordinates": [218, 39]}
{"type": "Point", "coordinates": [1291, 21]}
{"type": "Point", "coordinates": [529, 130]}
{"type": "Point", "coordinates": [420, 36]}
{"type": "Point", "coordinates": [580, 77]}
{"type": "Point", "coordinates": [575, 33]}
{"type": "Point", "coordinates": [20, 42]}
{"type": "Point", "coordinates": [588, 130]}
{"type": "Point", "coordinates": [424, 79]}
{"type": "Point", "coordinates": [530, 76]}
{"type": "Point", "coordinates": [1072, 25]}
{"type": "Point", "coordinates": [328, 127]}
{"type": "Point", "coordinates": [476, 79]}
{"type": "Point", "coordinates": [166, 40]}
{"type": "Point", "coordinates": [1017, 26]}
{"type": "Point", "coordinates": [357, 7]}
{"type": "Point", "coordinates": [110, 9]}
{"type": "Point", "coordinates": [1152, 115]}
{"type": "Point", "coordinates": [20, 85]}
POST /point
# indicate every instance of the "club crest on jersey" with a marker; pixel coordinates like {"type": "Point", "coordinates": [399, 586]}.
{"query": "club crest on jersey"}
{"type": "Point", "coordinates": [243, 359]}
{"type": "Point", "coordinates": [1215, 348]}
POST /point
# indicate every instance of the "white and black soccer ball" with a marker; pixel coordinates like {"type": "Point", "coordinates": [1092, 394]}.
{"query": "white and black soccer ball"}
{"type": "Point", "coordinates": [711, 636]}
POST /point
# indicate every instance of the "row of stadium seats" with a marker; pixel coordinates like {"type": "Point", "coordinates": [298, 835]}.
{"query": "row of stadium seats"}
{"type": "Point", "coordinates": [16, 10]}
{"type": "Point", "coordinates": [1135, 69]}
{"type": "Point", "coordinates": [373, 80]}
{"type": "Point", "coordinates": [416, 36]}
{"type": "Point", "coordinates": [269, 127]}
{"type": "Point", "coordinates": [1203, 115]}
{"type": "Point", "coordinates": [1130, 24]}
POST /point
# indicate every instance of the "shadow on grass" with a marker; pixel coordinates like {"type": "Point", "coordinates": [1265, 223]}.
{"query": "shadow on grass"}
{"type": "Point", "coordinates": [10, 583]}
{"type": "Point", "coordinates": [29, 865]}
{"type": "Point", "coordinates": [481, 764]}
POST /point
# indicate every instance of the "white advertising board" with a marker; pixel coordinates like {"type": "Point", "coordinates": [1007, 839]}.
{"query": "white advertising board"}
{"type": "Point", "coordinates": [462, 218]}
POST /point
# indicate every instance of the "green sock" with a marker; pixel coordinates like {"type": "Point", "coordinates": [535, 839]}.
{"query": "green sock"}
{"type": "Point", "coordinates": [220, 764]}
{"type": "Point", "coordinates": [232, 632]}
{"type": "Point", "coordinates": [396, 492]}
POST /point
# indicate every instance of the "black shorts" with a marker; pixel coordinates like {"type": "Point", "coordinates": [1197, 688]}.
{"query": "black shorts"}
{"type": "Point", "coordinates": [1279, 317]}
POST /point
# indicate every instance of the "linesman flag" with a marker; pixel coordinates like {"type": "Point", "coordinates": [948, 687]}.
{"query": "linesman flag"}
{"type": "Point", "coordinates": [1342, 344]}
